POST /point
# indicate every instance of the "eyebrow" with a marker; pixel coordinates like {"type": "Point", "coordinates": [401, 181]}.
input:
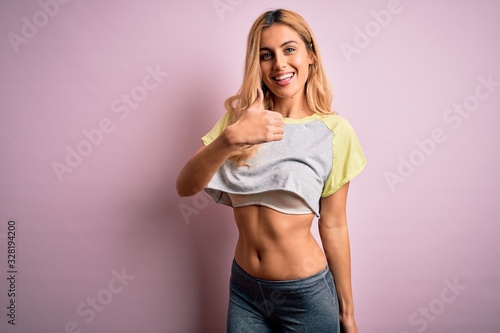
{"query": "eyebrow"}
{"type": "Point", "coordinates": [265, 48]}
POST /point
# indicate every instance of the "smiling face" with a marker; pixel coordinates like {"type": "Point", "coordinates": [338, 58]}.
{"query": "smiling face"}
{"type": "Point", "coordinates": [284, 61]}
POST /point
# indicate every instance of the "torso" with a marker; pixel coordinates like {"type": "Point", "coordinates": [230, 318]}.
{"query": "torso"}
{"type": "Point", "coordinates": [276, 246]}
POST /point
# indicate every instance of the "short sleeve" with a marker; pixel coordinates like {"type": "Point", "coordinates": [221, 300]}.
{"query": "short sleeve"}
{"type": "Point", "coordinates": [348, 158]}
{"type": "Point", "coordinates": [219, 126]}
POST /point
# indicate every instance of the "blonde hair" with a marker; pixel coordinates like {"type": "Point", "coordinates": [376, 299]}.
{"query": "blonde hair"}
{"type": "Point", "coordinates": [318, 93]}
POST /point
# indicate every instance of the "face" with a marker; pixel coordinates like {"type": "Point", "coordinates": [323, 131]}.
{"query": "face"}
{"type": "Point", "coordinates": [284, 61]}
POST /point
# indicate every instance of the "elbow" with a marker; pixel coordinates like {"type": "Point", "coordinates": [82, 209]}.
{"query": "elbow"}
{"type": "Point", "coordinates": [183, 194]}
{"type": "Point", "coordinates": [185, 191]}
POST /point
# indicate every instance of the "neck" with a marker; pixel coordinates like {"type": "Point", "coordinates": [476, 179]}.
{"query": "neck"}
{"type": "Point", "coordinates": [292, 107]}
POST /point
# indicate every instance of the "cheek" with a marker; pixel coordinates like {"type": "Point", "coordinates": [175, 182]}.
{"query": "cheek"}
{"type": "Point", "coordinates": [299, 63]}
{"type": "Point", "coordinates": [265, 70]}
{"type": "Point", "coordinates": [303, 63]}
{"type": "Point", "coordinates": [264, 65]}
{"type": "Point", "coordinates": [302, 69]}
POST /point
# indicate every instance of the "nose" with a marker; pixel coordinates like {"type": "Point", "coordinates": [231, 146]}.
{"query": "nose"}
{"type": "Point", "coordinates": [280, 62]}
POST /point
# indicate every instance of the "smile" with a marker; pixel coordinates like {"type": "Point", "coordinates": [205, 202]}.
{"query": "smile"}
{"type": "Point", "coordinates": [284, 79]}
{"type": "Point", "coordinates": [283, 76]}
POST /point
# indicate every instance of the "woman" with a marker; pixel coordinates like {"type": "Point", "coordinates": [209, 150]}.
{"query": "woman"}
{"type": "Point", "coordinates": [280, 157]}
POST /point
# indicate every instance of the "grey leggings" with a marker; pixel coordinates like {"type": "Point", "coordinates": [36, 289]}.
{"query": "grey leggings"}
{"type": "Point", "coordinates": [301, 305]}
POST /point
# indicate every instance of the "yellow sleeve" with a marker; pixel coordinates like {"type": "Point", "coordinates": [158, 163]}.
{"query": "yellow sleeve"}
{"type": "Point", "coordinates": [348, 157]}
{"type": "Point", "coordinates": [219, 126]}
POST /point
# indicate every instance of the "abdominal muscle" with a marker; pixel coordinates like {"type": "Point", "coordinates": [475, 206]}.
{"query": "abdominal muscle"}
{"type": "Point", "coordinates": [276, 246]}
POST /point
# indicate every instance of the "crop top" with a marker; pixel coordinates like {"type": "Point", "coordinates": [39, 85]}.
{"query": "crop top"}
{"type": "Point", "coordinates": [282, 201]}
{"type": "Point", "coordinates": [317, 155]}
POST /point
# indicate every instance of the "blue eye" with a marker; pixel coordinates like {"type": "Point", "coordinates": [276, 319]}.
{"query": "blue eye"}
{"type": "Point", "coordinates": [265, 56]}
{"type": "Point", "coordinates": [289, 49]}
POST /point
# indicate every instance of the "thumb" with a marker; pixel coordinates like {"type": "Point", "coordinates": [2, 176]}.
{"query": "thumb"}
{"type": "Point", "coordinates": [259, 100]}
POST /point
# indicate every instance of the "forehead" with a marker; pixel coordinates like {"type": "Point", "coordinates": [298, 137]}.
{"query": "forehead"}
{"type": "Point", "coordinates": [277, 34]}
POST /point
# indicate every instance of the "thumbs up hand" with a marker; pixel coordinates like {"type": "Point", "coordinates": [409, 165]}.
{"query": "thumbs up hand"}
{"type": "Point", "coordinates": [257, 125]}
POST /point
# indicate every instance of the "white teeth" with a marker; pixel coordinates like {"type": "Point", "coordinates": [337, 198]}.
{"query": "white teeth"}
{"type": "Point", "coordinates": [283, 77]}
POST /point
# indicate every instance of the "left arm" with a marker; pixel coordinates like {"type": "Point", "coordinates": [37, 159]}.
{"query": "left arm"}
{"type": "Point", "coordinates": [335, 238]}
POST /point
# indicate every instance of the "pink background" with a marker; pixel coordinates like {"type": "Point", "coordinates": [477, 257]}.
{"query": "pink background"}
{"type": "Point", "coordinates": [424, 247]}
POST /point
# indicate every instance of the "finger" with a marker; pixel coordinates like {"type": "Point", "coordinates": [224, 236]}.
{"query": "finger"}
{"type": "Point", "coordinates": [278, 130]}
{"type": "Point", "coordinates": [277, 115]}
{"type": "Point", "coordinates": [260, 94]}
{"type": "Point", "coordinates": [259, 99]}
{"type": "Point", "coordinates": [278, 122]}
{"type": "Point", "coordinates": [277, 137]}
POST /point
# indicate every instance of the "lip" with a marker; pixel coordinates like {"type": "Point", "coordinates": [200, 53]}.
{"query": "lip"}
{"type": "Point", "coordinates": [283, 82]}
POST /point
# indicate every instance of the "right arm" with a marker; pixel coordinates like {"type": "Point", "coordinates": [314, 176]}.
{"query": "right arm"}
{"type": "Point", "coordinates": [198, 171]}
{"type": "Point", "coordinates": [255, 126]}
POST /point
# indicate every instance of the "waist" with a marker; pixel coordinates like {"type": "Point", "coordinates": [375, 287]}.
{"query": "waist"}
{"type": "Point", "coordinates": [281, 267]}
{"type": "Point", "coordinates": [236, 269]}
{"type": "Point", "coordinates": [276, 246]}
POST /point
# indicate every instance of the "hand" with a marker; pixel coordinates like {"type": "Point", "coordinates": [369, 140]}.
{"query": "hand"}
{"type": "Point", "coordinates": [348, 325]}
{"type": "Point", "coordinates": [257, 125]}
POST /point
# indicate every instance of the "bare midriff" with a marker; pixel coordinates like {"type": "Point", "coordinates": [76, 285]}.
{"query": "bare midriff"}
{"type": "Point", "coordinates": [276, 246]}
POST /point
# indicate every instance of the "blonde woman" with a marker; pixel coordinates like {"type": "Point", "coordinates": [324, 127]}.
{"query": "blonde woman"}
{"type": "Point", "coordinates": [280, 157]}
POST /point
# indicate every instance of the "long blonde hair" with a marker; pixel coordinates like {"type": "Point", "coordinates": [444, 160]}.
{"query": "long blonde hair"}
{"type": "Point", "coordinates": [318, 92]}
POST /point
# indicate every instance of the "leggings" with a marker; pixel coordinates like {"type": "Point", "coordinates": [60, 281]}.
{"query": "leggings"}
{"type": "Point", "coordinates": [308, 305]}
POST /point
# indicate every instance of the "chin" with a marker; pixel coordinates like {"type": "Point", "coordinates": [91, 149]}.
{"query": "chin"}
{"type": "Point", "coordinates": [286, 93]}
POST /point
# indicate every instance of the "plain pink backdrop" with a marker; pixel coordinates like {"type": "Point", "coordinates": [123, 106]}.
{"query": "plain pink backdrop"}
{"type": "Point", "coordinates": [425, 249]}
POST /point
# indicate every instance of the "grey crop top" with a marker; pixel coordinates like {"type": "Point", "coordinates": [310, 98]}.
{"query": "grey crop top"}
{"type": "Point", "coordinates": [317, 155]}
{"type": "Point", "coordinates": [279, 200]}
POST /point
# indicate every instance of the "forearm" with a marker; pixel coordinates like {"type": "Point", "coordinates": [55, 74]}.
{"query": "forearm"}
{"type": "Point", "coordinates": [198, 171]}
{"type": "Point", "coordinates": [336, 245]}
